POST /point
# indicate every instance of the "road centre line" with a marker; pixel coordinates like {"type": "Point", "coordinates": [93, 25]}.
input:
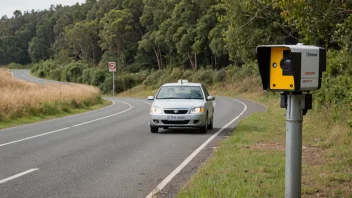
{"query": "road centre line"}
{"type": "Point", "coordinates": [163, 183]}
{"type": "Point", "coordinates": [63, 129]}
{"type": "Point", "coordinates": [131, 107]}
{"type": "Point", "coordinates": [18, 175]}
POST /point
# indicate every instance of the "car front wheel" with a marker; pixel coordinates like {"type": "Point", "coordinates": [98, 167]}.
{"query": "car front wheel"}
{"type": "Point", "coordinates": [154, 129]}
{"type": "Point", "coordinates": [204, 128]}
{"type": "Point", "coordinates": [211, 126]}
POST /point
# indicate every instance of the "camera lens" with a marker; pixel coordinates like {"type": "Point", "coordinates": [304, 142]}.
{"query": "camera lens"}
{"type": "Point", "coordinates": [286, 64]}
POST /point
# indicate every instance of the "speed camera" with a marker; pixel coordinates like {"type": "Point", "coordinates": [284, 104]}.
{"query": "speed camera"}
{"type": "Point", "coordinates": [291, 68]}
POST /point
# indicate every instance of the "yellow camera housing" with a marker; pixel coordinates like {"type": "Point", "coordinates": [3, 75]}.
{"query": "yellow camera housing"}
{"type": "Point", "coordinates": [277, 79]}
{"type": "Point", "coordinates": [291, 68]}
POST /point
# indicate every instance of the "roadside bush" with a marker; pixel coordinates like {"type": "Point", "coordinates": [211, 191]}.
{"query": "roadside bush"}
{"type": "Point", "coordinates": [219, 76]}
{"type": "Point", "coordinates": [43, 68]}
{"type": "Point", "coordinates": [142, 75]}
{"type": "Point", "coordinates": [336, 89]}
{"type": "Point", "coordinates": [129, 80]}
{"type": "Point", "coordinates": [187, 74]}
{"type": "Point", "coordinates": [172, 75]}
{"type": "Point", "coordinates": [204, 76]}
{"type": "Point", "coordinates": [152, 80]}
{"type": "Point", "coordinates": [73, 71]}
{"type": "Point", "coordinates": [18, 66]}
{"type": "Point", "coordinates": [55, 74]}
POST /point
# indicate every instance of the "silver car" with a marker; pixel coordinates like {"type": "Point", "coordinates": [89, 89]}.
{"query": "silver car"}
{"type": "Point", "coordinates": [182, 104]}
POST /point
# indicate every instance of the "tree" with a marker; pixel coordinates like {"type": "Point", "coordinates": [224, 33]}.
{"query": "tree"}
{"type": "Point", "coordinates": [251, 23]}
{"type": "Point", "coordinates": [117, 32]}
{"type": "Point", "coordinates": [155, 12]}
{"type": "Point", "coordinates": [40, 47]}
{"type": "Point", "coordinates": [315, 20]}
{"type": "Point", "coordinates": [17, 13]}
{"type": "Point", "coordinates": [82, 39]}
{"type": "Point", "coordinates": [101, 7]}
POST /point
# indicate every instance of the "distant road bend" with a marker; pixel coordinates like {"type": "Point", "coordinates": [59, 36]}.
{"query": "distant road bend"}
{"type": "Point", "coordinates": [108, 152]}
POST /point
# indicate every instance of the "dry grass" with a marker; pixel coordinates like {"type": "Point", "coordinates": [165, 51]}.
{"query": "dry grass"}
{"type": "Point", "coordinates": [20, 98]}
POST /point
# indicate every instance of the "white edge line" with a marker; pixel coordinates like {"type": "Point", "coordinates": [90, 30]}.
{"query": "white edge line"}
{"type": "Point", "coordinates": [51, 132]}
{"type": "Point", "coordinates": [18, 175]}
{"type": "Point", "coordinates": [162, 184]}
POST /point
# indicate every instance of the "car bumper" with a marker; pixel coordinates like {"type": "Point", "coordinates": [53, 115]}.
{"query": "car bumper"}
{"type": "Point", "coordinates": [190, 120]}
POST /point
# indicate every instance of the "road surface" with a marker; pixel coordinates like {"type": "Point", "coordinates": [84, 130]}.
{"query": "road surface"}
{"type": "Point", "coordinates": [108, 152]}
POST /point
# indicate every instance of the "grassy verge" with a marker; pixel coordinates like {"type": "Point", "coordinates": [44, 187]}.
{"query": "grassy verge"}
{"type": "Point", "coordinates": [43, 117]}
{"type": "Point", "coordinates": [23, 102]}
{"type": "Point", "coordinates": [138, 92]}
{"type": "Point", "coordinates": [251, 162]}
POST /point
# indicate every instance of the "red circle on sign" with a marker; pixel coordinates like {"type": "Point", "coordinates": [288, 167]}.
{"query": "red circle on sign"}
{"type": "Point", "coordinates": [112, 66]}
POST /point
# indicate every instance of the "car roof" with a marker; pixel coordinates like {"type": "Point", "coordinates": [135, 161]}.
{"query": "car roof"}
{"type": "Point", "coordinates": [183, 84]}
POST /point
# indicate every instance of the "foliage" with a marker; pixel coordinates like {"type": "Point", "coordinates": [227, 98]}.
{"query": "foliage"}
{"type": "Point", "coordinates": [210, 41]}
{"type": "Point", "coordinates": [18, 66]}
{"type": "Point", "coordinates": [336, 90]}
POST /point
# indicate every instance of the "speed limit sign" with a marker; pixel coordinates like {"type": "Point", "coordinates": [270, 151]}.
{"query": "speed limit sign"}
{"type": "Point", "coordinates": [112, 66]}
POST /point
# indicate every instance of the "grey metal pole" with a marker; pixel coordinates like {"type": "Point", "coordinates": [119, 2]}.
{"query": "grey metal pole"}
{"type": "Point", "coordinates": [293, 167]}
{"type": "Point", "coordinates": [113, 83]}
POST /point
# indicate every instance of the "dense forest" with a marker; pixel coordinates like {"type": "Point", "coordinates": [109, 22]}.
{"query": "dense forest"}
{"type": "Point", "coordinates": [74, 43]}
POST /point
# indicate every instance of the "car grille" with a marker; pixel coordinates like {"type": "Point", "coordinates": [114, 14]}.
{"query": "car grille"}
{"type": "Point", "coordinates": [175, 122]}
{"type": "Point", "coordinates": [175, 111]}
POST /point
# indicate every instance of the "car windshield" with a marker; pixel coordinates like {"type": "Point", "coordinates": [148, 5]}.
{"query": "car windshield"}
{"type": "Point", "coordinates": [180, 92]}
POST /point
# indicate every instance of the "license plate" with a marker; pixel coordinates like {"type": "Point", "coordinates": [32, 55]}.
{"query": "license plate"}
{"type": "Point", "coordinates": [176, 118]}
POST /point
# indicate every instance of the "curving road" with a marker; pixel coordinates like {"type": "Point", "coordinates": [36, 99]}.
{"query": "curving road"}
{"type": "Point", "coordinates": [108, 152]}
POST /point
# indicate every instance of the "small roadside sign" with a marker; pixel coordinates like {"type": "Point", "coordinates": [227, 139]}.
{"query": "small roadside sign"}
{"type": "Point", "coordinates": [112, 66]}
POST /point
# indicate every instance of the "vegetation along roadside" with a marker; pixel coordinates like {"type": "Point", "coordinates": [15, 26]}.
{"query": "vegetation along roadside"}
{"type": "Point", "coordinates": [210, 41]}
{"type": "Point", "coordinates": [24, 102]}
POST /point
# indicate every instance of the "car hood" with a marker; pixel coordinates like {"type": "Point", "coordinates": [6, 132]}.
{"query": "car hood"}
{"type": "Point", "coordinates": [178, 103]}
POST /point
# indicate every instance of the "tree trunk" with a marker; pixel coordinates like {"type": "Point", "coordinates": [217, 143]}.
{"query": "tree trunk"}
{"type": "Point", "coordinates": [190, 60]}
{"type": "Point", "coordinates": [215, 63]}
{"type": "Point", "coordinates": [160, 57]}
{"type": "Point", "coordinates": [195, 61]}
{"type": "Point", "coordinates": [157, 57]}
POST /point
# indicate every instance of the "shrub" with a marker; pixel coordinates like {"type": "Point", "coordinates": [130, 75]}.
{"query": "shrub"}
{"type": "Point", "coordinates": [153, 79]}
{"type": "Point", "coordinates": [219, 76]}
{"type": "Point", "coordinates": [16, 66]}
{"type": "Point", "coordinates": [203, 76]}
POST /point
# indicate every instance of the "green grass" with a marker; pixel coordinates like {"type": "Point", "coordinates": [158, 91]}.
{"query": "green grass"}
{"type": "Point", "coordinates": [138, 92]}
{"type": "Point", "coordinates": [250, 163]}
{"type": "Point", "coordinates": [29, 119]}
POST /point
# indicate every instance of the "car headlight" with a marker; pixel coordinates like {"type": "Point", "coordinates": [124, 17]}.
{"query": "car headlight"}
{"type": "Point", "coordinates": [197, 110]}
{"type": "Point", "coordinates": [155, 109]}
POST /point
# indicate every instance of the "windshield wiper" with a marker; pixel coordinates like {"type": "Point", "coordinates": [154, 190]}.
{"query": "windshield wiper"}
{"type": "Point", "coordinates": [169, 98]}
{"type": "Point", "coordinates": [195, 98]}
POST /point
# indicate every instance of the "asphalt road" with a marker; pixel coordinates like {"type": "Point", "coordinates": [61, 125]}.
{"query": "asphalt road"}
{"type": "Point", "coordinates": [105, 153]}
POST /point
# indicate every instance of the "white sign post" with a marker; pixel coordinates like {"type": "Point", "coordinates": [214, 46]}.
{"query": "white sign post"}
{"type": "Point", "coordinates": [112, 68]}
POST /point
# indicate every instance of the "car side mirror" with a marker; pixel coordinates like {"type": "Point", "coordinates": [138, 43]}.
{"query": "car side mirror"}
{"type": "Point", "coordinates": [211, 98]}
{"type": "Point", "coordinates": [150, 97]}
